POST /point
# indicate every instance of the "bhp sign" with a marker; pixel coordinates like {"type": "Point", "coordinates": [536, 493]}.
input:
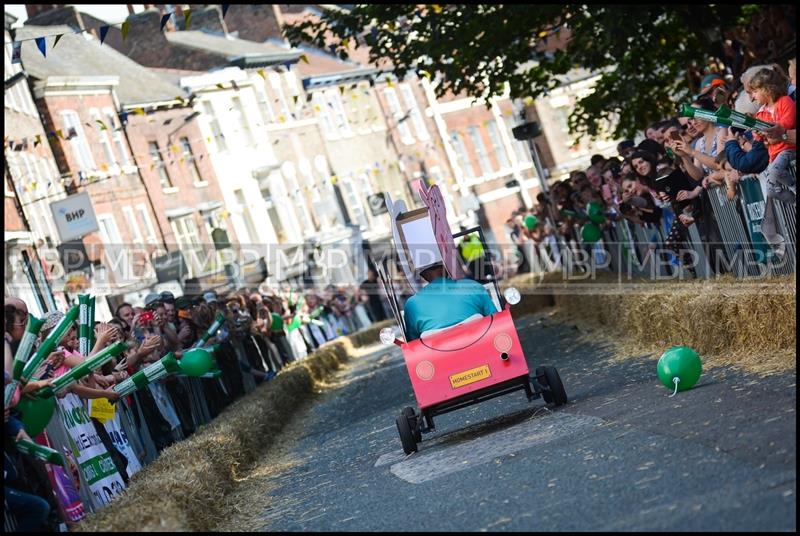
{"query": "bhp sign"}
{"type": "Point", "coordinates": [74, 216]}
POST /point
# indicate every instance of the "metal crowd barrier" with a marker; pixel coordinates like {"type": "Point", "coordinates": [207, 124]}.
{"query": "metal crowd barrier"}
{"type": "Point", "coordinates": [641, 251]}
{"type": "Point", "coordinates": [131, 429]}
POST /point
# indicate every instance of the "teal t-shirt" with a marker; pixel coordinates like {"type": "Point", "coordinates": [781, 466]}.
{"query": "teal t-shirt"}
{"type": "Point", "coordinates": [444, 302]}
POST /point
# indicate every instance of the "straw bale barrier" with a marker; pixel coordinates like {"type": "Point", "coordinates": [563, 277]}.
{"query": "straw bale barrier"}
{"type": "Point", "coordinates": [747, 323]}
{"type": "Point", "coordinates": [184, 489]}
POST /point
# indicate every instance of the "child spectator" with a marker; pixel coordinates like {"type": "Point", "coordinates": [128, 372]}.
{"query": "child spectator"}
{"type": "Point", "coordinates": [769, 89]}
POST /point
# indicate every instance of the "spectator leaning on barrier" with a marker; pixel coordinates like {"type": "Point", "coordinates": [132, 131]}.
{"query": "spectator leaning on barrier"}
{"type": "Point", "coordinates": [769, 89]}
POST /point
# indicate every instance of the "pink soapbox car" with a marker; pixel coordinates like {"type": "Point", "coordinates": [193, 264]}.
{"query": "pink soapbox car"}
{"type": "Point", "coordinates": [467, 363]}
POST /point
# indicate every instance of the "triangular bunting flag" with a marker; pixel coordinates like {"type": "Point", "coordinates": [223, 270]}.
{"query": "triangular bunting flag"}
{"type": "Point", "coordinates": [58, 38]}
{"type": "Point", "coordinates": [123, 117]}
{"type": "Point", "coordinates": [303, 58]}
{"type": "Point", "coordinates": [103, 33]}
{"type": "Point", "coordinates": [102, 125]}
{"type": "Point", "coordinates": [126, 26]}
{"type": "Point", "coordinates": [220, 86]}
{"type": "Point", "coordinates": [37, 140]}
{"type": "Point", "coordinates": [60, 134]}
{"type": "Point", "coordinates": [42, 44]}
{"type": "Point", "coordinates": [187, 18]}
{"type": "Point", "coordinates": [139, 111]}
{"type": "Point", "coordinates": [164, 19]}
{"type": "Point", "coordinates": [225, 9]}
{"type": "Point", "coordinates": [294, 98]}
{"type": "Point", "coordinates": [341, 90]}
{"type": "Point", "coordinates": [262, 74]}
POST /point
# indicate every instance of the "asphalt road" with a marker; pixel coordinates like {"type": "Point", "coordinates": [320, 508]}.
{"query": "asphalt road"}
{"type": "Point", "coordinates": [621, 455]}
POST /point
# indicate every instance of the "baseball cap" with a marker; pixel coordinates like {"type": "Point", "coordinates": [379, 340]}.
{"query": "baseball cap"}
{"type": "Point", "coordinates": [709, 82]}
{"type": "Point", "coordinates": [625, 144]}
{"type": "Point", "coordinates": [210, 297]}
{"type": "Point", "coordinates": [151, 299]}
{"type": "Point", "coordinates": [183, 303]}
{"type": "Point", "coordinates": [167, 297]}
{"type": "Point", "coordinates": [52, 319]}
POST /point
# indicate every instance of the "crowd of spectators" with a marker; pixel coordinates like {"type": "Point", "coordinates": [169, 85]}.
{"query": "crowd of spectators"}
{"type": "Point", "coordinates": [264, 330]}
{"type": "Point", "coordinates": [665, 178]}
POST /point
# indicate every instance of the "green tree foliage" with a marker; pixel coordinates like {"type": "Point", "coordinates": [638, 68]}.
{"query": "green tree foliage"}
{"type": "Point", "coordinates": [641, 51]}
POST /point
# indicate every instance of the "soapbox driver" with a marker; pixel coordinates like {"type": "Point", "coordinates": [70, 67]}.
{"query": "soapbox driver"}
{"type": "Point", "coordinates": [466, 363]}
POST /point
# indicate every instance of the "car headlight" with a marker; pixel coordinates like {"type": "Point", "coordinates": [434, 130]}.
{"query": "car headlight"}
{"type": "Point", "coordinates": [387, 335]}
{"type": "Point", "coordinates": [512, 295]}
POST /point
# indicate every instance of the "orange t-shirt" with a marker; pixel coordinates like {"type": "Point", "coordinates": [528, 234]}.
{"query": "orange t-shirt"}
{"type": "Point", "coordinates": [782, 113]}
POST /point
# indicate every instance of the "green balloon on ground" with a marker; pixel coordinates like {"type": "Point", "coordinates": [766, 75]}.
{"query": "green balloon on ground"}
{"type": "Point", "coordinates": [530, 221]}
{"type": "Point", "coordinates": [36, 413]}
{"type": "Point", "coordinates": [196, 362]}
{"type": "Point", "coordinates": [590, 232]}
{"type": "Point", "coordinates": [679, 362]}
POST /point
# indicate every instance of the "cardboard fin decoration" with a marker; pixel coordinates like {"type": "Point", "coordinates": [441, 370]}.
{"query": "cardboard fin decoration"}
{"type": "Point", "coordinates": [396, 209]}
{"type": "Point", "coordinates": [432, 198]}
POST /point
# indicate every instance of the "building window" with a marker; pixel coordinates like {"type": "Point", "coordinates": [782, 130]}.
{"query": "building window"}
{"type": "Point", "coordinates": [189, 160]}
{"type": "Point", "coordinates": [353, 200]}
{"type": "Point", "coordinates": [102, 135]}
{"type": "Point", "coordinates": [130, 219]}
{"type": "Point", "coordinates": [480, 149]}
{"type": "Point", "coordinates": [463, 157]}
{"type": "Point", "coordinates": [339, 114]}
{"type": "Point", "coordinates": [148, 225]}
{"type": "Point", "coordinates": [323, 111]}
{"type": "Point", "coordinates": [116, 256]}
{"type": "Point", "coordinates": [263, 101]}
{"type": "Point", "coordinates": [73, 130]}
{"type": "Point", "coordinates": [213, 126]}
{"type": "Point", "coordinates": [283, 106]}
{"type": "Point", "coordinates": [116, 135]}
{"type": "Point", "coordinates": [413, 108]}
{"type": "Point", "coordinates": [290, 173]}
{"type": "Point", "coordinates": [158, 163]}
{"type": "Point", "coordinates": [397, 112]}
{"type": "Point", "coordinates": [241, 121]}
{"type": "Point", "coordinates": [188, 239]}
{"type": "Point", "coordinates": [497, 144]}
{"type": "Point", "coordinates": [272, 212]}
{"type": "Point", "coordinates": [244, 212]}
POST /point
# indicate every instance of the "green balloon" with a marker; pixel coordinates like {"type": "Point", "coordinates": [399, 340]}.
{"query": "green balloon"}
{"type": "Point", "coordinates": [590, 232]}
{"type": "Point", "coordinates": [679, 362]}
{"type": "Point", "coordinates": [595, 212]}
{"type": "Point", "coordinates": [36, 413]}
{"type": "Point", "coordinates": [196, 362]}
{"type": "Point", "coordinates": [530, 221]}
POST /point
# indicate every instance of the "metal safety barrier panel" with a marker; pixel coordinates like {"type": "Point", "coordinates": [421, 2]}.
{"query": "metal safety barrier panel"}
{"type": "Point", "coordinates": [136, 439]}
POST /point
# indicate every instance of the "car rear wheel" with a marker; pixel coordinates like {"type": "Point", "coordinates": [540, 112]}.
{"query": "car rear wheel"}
{"type": "Point", "coordinates": [541, 377]}
{"type": "Point", "coordinates": [413, 423]}
{"type": "Point", "coordinates": [406, 435]}
{"type": "Point", "coordinates": [557, 392]}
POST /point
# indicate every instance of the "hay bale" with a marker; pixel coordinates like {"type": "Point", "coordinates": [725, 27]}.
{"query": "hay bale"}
{"type": "Point", "coordinates": [746, 323]}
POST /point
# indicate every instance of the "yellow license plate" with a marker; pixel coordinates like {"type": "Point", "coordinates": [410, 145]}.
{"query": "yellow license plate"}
{"type": "Point", "coordinates": [470, 376]}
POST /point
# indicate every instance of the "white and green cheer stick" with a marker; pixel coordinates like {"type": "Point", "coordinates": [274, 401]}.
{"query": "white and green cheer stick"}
{"type": "Point", "coordinates": [211, 331]}
{"type": "Point", "coordinates": [152, 372]}
{"type": "Point", "coordinates": [49, 344]}
{"type": "Point", "coordinates": [21, 357]}
{"type": "Point", "coordinates": [91, 364]}
{"type": "Point", "coordinates": [46, 454]}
